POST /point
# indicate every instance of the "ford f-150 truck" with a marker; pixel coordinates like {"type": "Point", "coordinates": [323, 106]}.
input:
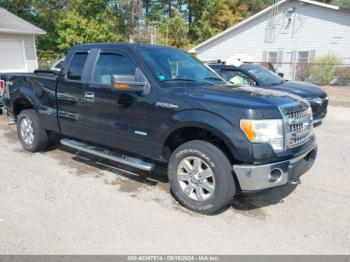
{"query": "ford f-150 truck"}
{"type": "Point", "coordinates": [144, 105]}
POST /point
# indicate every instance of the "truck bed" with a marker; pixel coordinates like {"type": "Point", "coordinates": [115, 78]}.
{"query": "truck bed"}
{"type": "Point", "coordinates": [38, 87]}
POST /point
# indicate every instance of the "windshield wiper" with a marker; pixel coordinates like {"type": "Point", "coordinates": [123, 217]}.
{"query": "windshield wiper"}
{"type": "Point", "coordinates": [179, 79]}
{"type": "Point", "coordinates": [214, 78]}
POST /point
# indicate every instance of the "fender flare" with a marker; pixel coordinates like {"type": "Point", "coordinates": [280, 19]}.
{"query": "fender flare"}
{"type": "Point", "coordinates": [215, 124]}
{"type": "Point", "coordinates": [26, 94]}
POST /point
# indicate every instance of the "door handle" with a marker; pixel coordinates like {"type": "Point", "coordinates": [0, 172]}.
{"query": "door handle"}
{"type": "Point", "coordinates": [89, 96]}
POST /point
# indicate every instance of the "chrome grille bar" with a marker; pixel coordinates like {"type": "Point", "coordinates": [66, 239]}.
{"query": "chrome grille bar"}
{"type": "Point", "coordinates": [297, 123]}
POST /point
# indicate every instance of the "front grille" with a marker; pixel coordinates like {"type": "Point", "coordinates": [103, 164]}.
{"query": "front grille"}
{"type": "Point", "coordinates": [297, 122]}
{"type": "Point", "coordinates": [296, 127]}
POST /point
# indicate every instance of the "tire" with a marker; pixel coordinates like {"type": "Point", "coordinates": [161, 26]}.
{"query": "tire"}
{"type": "Point", "coordinates": [30, 133]}
{"type": "Point", "coordinates": [214, 181]}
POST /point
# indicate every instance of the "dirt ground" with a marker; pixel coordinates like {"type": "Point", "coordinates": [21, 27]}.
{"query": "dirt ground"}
{"type": "Point", "coordinates": [338, 95]}
{"type": "Point", "coordinates": [62, 202]}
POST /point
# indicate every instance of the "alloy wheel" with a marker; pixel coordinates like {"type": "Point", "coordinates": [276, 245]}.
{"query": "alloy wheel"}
{"type": "Point", "coordinates": [196, 178]}
{"type": "Point", "coordinates": [27, 131]}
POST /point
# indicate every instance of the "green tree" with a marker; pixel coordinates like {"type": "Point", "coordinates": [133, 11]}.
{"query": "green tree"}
{"type": "Point", "coordinates": [228, 13]}
{"type": "Point", "coordinates": [209, 17]}
{"type": "Point", "coordinates": [46, 14]}
{"type": "Point", "coordinates": [21, 8]}
{"type": "Point", "coordinates": [93, 23]}
{"type": "Point", "coordinates": [182, 23]}
{"type": "Point", "coordinates": [342, 3]}
{"type": "Point", "coordinates": [174, 30]}
{"type": "Point", "coordinates": [255, 6]}
{"type": "Point", "coordinates": [200, 14]}
{"type": "Point", "coordinates": [42, 13]}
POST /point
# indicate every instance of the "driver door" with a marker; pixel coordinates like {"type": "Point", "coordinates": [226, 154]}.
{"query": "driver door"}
{"type": "Point", "coordinates": [110, 115]}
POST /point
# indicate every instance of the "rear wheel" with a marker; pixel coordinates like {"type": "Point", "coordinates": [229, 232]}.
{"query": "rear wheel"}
{"type": "Point", "coordinates": [31, 135]}
{"type": "Point", "coordinates": [200, 177]}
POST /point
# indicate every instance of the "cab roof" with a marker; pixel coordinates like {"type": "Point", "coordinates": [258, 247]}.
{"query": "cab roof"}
{"type": "Point", "coordinates": [119, 45]}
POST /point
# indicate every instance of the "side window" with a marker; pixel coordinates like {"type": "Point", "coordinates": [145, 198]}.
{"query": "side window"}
{"type": "Point", "coordinates": [237, 77]}
{"type": "Point", "coordinates": [76, 66]}
{"type": "Point", "coordinates": [109, 64]}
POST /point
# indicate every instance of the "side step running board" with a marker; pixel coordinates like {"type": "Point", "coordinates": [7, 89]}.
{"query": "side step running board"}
{"type": "Point", "coordinates": [97, 151]}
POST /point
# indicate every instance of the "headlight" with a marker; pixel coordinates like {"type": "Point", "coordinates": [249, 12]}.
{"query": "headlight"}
{"type": "Point", "coordinates": [264, 131]}
{"type": "Point", "coordinates": [309, 112]}
{"type": "Point", "coordinates": [317, 100]}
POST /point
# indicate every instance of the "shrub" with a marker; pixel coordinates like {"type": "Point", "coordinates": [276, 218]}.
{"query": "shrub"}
{"type": "Point", "coordinates": [46, 58]}
{"type": "Point", "coordinates": [322, 69]}
{"type": "Point", "coordinates": [45, 64]}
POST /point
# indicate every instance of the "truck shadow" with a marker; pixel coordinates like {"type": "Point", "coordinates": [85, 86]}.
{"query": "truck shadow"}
{"type": "Point", "coordinates": [244, 203]}
{"type": "Point", "coordinates": [250, 205]}
{"type": "Point", "coordinates": [101, 164]}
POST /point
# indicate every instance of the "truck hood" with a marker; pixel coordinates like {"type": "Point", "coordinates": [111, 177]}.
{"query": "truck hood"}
{"type": "Point", "coordinates": [245, 96]}
{"type": "Point", "coordinates": [303, 89]}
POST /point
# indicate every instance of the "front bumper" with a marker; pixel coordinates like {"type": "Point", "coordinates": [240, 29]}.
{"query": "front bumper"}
{"type": "Point", "coordinates": [258, 177]}
{"type": "Point", "coordinates": [318, 121]}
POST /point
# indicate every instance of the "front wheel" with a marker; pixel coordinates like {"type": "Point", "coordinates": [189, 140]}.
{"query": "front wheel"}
{"type": "Point", "coordinates": [200, 177]}
{"type": "Point", "coordinates": [31, 135]}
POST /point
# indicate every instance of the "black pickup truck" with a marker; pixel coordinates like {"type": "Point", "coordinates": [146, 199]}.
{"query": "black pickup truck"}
{"type": "Point", "coordinates": [144, 105]}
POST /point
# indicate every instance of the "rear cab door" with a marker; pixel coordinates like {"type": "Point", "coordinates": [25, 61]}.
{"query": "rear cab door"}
{"type": "Point", "coordinates": [70, 93]}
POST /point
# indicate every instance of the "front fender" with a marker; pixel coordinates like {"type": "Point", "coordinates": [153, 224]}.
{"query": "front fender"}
{"type": "Point", "coordinates": [232, 136]}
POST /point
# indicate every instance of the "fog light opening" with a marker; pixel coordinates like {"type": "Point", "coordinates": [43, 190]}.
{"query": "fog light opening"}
{"type": "Point", "coordinates": [275, 175]}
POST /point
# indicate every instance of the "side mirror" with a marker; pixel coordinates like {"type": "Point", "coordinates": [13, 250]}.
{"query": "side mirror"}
{"type": "Point", "coordinates": [130, 83]}
{"type": "Point", "coordinates": [281, 75]}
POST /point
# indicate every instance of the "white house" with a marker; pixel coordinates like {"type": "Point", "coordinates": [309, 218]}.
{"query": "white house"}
{"type": "Point", "coordinates": [287, 33]}
{"type": "Point", "coordinates": [17, 43]}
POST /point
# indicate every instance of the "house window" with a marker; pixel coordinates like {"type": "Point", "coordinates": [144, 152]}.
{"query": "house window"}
{"type": "Point", "coordinates": [303, 57]}
{"type": "Point", "coordinates": [272, 57]}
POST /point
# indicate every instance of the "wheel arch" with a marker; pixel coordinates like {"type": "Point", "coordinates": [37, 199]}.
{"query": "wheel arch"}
{"type": "Point", "coordinates": [23, 99]}
{"type": "Point", "coordinates": [200, 125]}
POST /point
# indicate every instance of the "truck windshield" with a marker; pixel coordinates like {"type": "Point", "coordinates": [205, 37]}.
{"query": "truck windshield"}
{"type": "Point", "coordinates": [267, 77]}
{"type": "Point", "coordinates": [174, 66]}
